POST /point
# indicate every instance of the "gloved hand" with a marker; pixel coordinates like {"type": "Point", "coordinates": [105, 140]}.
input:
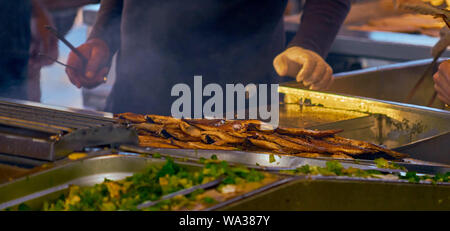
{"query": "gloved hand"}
{"type": "Point", "coordinates": [93, 73]}
{"type": "Point", "coordinates": [442, 82]}
{"type": "Point", "coordinates": [306, 66]}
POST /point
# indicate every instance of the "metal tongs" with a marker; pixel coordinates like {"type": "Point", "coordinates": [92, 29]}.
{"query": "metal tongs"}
{"type": "Point", "coordinates": [440, 46]}
{"type": "Point", "coordinates": [72, 48]}
{"type": "Point", "coordinates": [68, 44]}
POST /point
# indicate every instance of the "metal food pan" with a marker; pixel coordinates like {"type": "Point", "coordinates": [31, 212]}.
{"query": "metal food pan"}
{"type": "Point", "coordinates": [290, 193]}
{"type": "Point", "coordinates": [389, 82]}
{"type": "Point", "coordinates": [421, 132]}
{"type": "Point", "coordinates": [47, 185]}
{"type": "Point", "coordinates": [276, 162]}
{"type": "Point", "coordinates": [337, 193]}
{"type": "Point", "coordinates": [82, 172]}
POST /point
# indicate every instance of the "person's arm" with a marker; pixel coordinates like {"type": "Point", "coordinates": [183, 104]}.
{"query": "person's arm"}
{"type": "Point", "coordinates": [320, 23]}
{"type": "Point", "coordinates": [64, 4]}
{"type": "Point", "coordinates": [107, 24]}
{"type": "Point", "coordinates": [103, 41]}
{"type": "Point", "coordinates": [304, 58]}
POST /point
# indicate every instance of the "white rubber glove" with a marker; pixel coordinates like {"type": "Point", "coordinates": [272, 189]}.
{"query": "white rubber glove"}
{"type": "Point", "coordinates": [306, 66]}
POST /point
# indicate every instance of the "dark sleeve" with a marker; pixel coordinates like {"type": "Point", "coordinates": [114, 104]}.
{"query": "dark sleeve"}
{"type": "Point", "coordinates": [107, 23]}
{"type": "Point", "coordinates": [320, 23]}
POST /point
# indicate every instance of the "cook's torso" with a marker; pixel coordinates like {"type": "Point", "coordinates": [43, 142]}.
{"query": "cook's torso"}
{"type": "Point", "coordinates": [168, 42]}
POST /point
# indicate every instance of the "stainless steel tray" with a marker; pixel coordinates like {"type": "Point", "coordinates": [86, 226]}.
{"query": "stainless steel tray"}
{"type": "Point", "coordinates": [290, 193]}
{"type": "Point", "coordinates": [49, 184]}
{"type": "Point", "coordinates": [275, 162]}
{"type": "Point", "coordinates": [419, 131]}
{"type": "Point", "coordinates": [389, 82]}
{"type": "Point", "coordinates": [335, 193]}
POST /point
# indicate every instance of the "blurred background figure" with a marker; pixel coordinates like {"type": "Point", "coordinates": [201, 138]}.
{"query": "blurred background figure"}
{"type": "Point", "coordinates": [42, 42]}
{"type": "Point", "coordinates": [60, 14]}
{"type": "Point", "coordinates": [15, 18]}
{"type": "Point", "coordinates": [24, 38]}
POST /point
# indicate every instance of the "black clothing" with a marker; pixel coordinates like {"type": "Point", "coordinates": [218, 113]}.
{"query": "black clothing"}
{"type": "Point", "coordinates": [15, 37]}
{"type": "Point", "coordinates": [163, 43]}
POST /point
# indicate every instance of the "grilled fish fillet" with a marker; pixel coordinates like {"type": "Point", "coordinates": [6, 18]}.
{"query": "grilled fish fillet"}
{"type": "Point", "coordinates": [265, 144]}
{"type": "Point", "coordinates": [224, 136]}
{"type": "Point", "coordinates": [149, 139]}
{"type": "Point", "coordinates": [132, 117]}
{"type": "Point", "coordinates": [162, 119]}
{"type": "Point", "coordinates": [167, 132]}
{"type": "Point", "coordinates": [378, 148]}
{"type": "Point", "coordinates": [189, 129]}
{"type": "Point", "coordinates": [178, 134]}
{"type": "Point", "coordinates": [311, 147]}
{"type": "Point", "coordinates": [339, 148]}
{"type": "Point", "coordinates": [307, 132]}
{"type": "Point", "coordinates": [154, 128]}
{"type": "Point", "coordinates": [239, 126]}
{"type": "Point", "coordinates": [288, 145]}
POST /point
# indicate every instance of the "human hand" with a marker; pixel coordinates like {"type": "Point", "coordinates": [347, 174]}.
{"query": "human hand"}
{"type": "Point", "coordinates": [442, 82]}
{"type": "Point", "coordinates": [306, 66]}
{"type": "Point", "coordinates": [92, 73]}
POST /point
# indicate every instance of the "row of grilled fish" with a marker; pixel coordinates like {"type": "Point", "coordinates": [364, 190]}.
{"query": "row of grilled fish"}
{"type": "Point", "coordinates": [249, 135]}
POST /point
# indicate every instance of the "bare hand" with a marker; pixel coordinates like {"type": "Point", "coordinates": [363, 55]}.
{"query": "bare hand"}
{"type": "Point", "coordinates": [442, 82]}
{"type": "Point", "coordinates": [92, 73]}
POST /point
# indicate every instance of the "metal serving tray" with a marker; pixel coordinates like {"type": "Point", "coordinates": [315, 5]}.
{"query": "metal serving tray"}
{"type": "Point", "coordinates": [48, 184]}
{"type": "Point", "coordinates": [289, 193]}
{"type": "Point", "coordinates": [343, 193]}
{"type": "Point", "coordinates": [275, 162]}
{"type": "Point", "coordinates": [422, 132]}
{"type": "Point", "coordinates": [389, 82]}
